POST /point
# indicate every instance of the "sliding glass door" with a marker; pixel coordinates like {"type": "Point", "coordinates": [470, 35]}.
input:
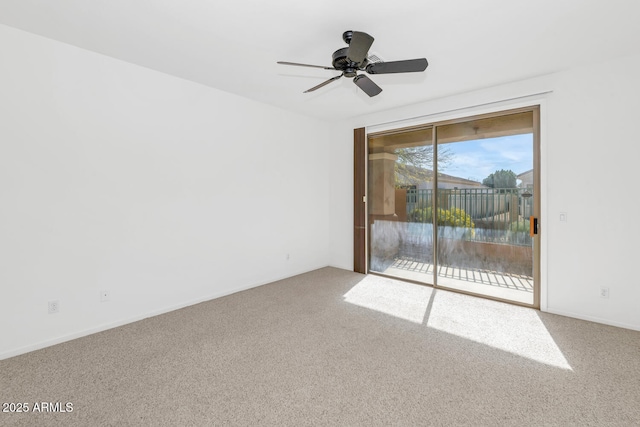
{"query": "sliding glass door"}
{"type": "Point", "coordinates": [453, 205]}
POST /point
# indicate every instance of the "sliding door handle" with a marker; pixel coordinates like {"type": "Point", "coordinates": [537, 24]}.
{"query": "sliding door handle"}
{"type": "Point", "coordinates": [533, 226]}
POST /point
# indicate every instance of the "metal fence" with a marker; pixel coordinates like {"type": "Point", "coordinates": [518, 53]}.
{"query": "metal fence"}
{"type": "Point", "coordinates": [499, 215]}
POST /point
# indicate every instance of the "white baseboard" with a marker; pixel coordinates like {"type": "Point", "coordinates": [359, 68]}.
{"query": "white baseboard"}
{"type": "Point", "coordinates": [341, 266]}
{"type": "Point", "coordinates": [83, 333]}
{"type": "Point", "coordinates": [593, 319]}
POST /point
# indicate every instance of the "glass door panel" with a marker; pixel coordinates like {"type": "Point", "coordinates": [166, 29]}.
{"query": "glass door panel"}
{"type": "Point", "coordinates": [485, 198]}
{"type": "Point", "coordinates": [400, 197]}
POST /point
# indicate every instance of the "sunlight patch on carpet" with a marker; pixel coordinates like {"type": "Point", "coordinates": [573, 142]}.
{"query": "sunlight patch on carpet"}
{"type": "Point", "coordinates": [502, 326]}
{"type": "Point", "coordinates": [510, 328]}
{"type": "Point", "coordinates": [399, 299]}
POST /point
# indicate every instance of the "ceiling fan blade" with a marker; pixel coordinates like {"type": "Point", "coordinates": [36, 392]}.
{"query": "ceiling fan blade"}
{"type": "Point", "coordinates": [367, 85]}
{"type": "Point", "coordinates": [407, 66]}
{"type": "Point", "coordinates": [305, 65]}
{"type": "Point", "coordinates": [323, 84]}
{"type": "Point", "coordinates": [359, 47]}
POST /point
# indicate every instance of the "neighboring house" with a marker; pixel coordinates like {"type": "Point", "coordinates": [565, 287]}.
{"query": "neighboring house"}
{"type": "Point", "coordinates": [449, 182]}
{"type": "Point", "coordinates": [421, 178]}
{"type": "Point", "coordinates": [526, 179]}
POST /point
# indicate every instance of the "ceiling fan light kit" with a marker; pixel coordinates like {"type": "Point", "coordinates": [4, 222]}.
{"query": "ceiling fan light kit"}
{"type": "Point", "coordinates": [354, 58]}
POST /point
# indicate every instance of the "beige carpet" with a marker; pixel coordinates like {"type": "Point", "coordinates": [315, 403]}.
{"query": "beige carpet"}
{"type": "Point", "coordinates": [332, 347]}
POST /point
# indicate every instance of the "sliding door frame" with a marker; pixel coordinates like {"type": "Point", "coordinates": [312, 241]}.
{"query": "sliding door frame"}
{"type": "Point", "coordinates": [361, 245]}
{"type": "Point", "coordinates": [360, 235]}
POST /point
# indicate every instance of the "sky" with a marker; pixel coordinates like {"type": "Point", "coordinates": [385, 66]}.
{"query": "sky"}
{"type": "Point", "coordinates": [477, 159]}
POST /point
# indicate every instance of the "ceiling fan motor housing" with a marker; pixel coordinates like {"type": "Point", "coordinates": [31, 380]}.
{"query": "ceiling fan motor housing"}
{"type": "Point", "coordinates": [342, 63]}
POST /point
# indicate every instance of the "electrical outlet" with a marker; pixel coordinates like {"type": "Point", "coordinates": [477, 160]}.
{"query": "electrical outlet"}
{"type": "Point", "coordinates": [604, 292]}
{"type": "Point", "coordinates": [105, 295]}
{"type": "Point", "coordinates": [54, 307]}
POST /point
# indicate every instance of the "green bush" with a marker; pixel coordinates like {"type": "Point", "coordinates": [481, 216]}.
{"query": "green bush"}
{"type": "Point", "coordinates": [455, 217]}
{"type": "Point", "coordinates": [520, 226]}
{"type": "Point", "coordinates": [420, 215]}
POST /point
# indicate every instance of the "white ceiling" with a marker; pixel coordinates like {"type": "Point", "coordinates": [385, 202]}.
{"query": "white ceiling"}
{"type": "Point", "coordinates": [233, 45]}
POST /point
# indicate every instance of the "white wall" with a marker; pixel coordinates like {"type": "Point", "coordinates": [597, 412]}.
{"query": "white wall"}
{"type": "Point", "coordinates": [162, 191]}
{"type": "Point", "coordinates": [341, 202]}
{"type": "Point", "coordinates": [589, 170]}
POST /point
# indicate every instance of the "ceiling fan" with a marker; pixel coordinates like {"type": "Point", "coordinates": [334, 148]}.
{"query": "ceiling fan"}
{"type": "Point", "coordinates": [354, 58]}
